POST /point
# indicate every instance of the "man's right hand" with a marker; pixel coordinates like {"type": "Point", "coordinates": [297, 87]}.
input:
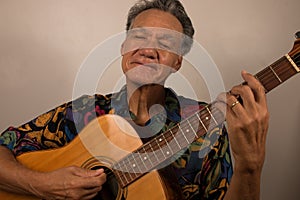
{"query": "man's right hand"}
{"type": "Point", "coordinates": [69, 183]}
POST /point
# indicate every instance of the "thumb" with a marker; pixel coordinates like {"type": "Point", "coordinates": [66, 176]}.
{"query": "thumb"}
{"type": "Point", "coordinates": [90, 173]}
{"type": "Point", "coordinates": [96, 172]}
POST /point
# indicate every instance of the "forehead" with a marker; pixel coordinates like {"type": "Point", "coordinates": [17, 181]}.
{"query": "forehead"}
{"type": "Point", "coordinates": [157, 18]}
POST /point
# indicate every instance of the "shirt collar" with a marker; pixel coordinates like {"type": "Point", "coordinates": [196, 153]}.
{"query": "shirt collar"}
{"type": "Point", "coordinates": [172, 107]}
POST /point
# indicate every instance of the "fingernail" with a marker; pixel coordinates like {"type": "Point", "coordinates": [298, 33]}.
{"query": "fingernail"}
{"type": "Point", "coordinates": [100, 170]}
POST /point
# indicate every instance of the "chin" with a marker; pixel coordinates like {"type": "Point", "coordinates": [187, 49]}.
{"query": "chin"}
{"type": "Point", "coordinates": [143, 81]}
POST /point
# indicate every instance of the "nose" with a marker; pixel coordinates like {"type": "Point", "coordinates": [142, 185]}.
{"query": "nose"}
{"type": "Point", "coordinates": [150, 53]}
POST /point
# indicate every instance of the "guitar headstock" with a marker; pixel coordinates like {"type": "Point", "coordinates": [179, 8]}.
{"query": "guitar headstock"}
{"type": "Point", "coordinates": [297, 42]}
{"type": "Point", "coordinates": [295, 52]}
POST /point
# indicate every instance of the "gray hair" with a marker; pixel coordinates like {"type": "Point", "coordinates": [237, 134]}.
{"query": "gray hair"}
{"type": "Point", "coordinates": [173, 7]}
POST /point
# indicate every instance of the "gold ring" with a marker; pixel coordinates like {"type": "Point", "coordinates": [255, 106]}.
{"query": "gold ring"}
{"type": "Point", "coordinates": [234, 104]}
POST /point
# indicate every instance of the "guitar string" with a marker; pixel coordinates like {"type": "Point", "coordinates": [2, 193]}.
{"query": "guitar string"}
{"type": "Point", "coordinates": [297, 59]}
{"type": "Point", "coordinates": [275, 65]}
{"type": "Point", "coordinates": [262, 75]}
{"type": "Point", "coordinates": [148, 147]}
{"type": "Point", "coordinates": [291, 69]}
{"type": "Point", "coordinates": [156, 144]}
{"type": "Point", "coordinates": [170, 137]}
{"type": "Point", "coordinates": [266, 77]}
{"type": "Point", "coordinates": [128, 161]}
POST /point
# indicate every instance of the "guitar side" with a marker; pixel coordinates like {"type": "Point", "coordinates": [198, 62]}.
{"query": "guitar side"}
{"type": "Point", "coordinates": [105, 140]}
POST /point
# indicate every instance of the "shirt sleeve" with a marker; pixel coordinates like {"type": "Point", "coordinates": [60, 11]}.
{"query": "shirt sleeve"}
{"type": "Point", "coordinates": [43, 132]}
{"type": "Point", "coordinates": [54, 128]}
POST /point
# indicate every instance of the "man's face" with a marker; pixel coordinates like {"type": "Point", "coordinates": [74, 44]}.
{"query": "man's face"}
{"type": "Point", "coordinates": [151, 50]}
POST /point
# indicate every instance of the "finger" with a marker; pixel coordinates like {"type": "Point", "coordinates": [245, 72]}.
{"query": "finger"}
{"type": "Point", "coordinates": [220, 103]}
{"type": "Point", "coordinates": [229, 106]}
{"type": "Point", "coordinates": [88, 173]}
{"type": "Point", "coordinates": [96, 172]}
{"type": "Point", "coordinates": [91, 182]}
{"type": "Point", "coordinates": [246, 95]}
{"type": "Point", "coordinates": [234, 106]}
{"type": "Point", "coordinates": [227, 98]}
{"type": "Point", "coordinates": [256, 86]}
{"type": "Point", "coordinates": [90, 186]}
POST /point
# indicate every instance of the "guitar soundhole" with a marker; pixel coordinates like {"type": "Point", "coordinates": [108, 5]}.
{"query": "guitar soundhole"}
{"type": "Point", "coordinates": [110, 189]}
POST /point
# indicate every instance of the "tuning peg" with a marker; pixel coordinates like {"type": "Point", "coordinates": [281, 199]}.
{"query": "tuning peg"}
{"type": "Point", "coordinates": [297, 35]}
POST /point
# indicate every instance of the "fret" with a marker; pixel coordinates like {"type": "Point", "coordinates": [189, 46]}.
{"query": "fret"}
{"type": "Point", "coordinates": [170, 149]}
{"type": "Point", "coordinates": [145, 166]}
{"type": "Point", "coordinates": [175, 139]}
{"type": "Point", "coordinates": [201, 122]}
{"type": "Point", "coordinates": [218, 114]}
{"type": "Point", "coordinates": [169, 137]}
{"type": "Point", "coordinates": [182, 133]}
{"type": "Point", "coordinates": [136, 164]}
{"type": "Point", "coordinates": [185, 127]}
{"type": "Point", "coordinates": [216, 123]}
{"type": "Point", "coordinates": [152, 151]}
{"type": "Point", "coordinates": [130, 165]}
{"type": "Point", "coordinates": [146, 157]}
{"type": "Point", "coordinates": [195, 133]}
{"type": "Point", "coordinates": [269, 76]}
{"type": "Point", "coordinates": [205, 118]}
{"type": "Point", "coordinates": [119, 174]}
{"type": "Point", "coordinates": [128, 170]}
{"type": "Point", "coordinates": [292, 62]}
{"type": "Point", "coordinates": [280, 81]}
{"type": "Point", "coordinates": [124, 172]}
{"type": "Point", "coordinates": [159, 147]}
{"type": "Point", "coordinates": [285, 70]}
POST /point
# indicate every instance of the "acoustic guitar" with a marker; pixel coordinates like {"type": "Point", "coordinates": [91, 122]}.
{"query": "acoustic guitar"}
{"type": "Point", "coordinates": [111, 143]}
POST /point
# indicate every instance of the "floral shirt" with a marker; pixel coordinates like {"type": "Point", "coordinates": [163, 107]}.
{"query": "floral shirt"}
{"type": "Point", "coordinates": [203, 170]}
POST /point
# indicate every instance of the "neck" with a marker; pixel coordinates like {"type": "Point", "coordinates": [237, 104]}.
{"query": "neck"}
{"type": "Point", "coordinates": [141, 100]}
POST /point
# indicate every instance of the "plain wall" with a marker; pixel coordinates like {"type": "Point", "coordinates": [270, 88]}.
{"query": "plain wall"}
{"type": "Point", "coordinates": [44, 42]}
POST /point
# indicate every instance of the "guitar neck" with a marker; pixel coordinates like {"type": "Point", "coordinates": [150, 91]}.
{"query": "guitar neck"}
{"type": "Point", "coordinates": [277, 73]}
{"type": "Point", "coordinates": [162, 148]}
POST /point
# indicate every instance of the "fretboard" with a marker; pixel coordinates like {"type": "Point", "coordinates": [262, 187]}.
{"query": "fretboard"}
{"type": "Point", "coordinates": [164, 147]}
{"type": "Point", "coordinates": [277, 73]}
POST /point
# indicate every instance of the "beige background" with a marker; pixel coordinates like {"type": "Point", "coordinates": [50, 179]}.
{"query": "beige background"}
{"type": "Point", "coordinates": [44, 42]}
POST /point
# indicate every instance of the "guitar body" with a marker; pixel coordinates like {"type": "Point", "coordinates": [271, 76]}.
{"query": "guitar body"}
{"type": "Point", "coordinates": [100, 144]}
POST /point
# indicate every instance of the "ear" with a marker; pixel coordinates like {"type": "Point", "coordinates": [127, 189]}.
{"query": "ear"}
{"type": "Point", "coordinates": [178, 63]}
{"type": "Point", "coordinates": [122, 48]}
